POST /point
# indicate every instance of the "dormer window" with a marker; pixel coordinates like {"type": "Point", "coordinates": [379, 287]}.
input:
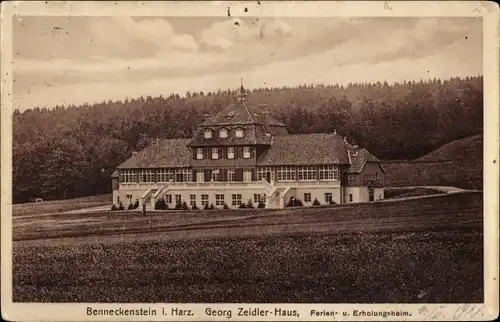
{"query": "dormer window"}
{"type": "Point", "coordinates": [208, 134]}
{"type": "Point", "coordinates": [223, 133]}
{"type": "Point", "coordinates": [239, 133]}
{"type": "Point", "coordinates": [215, 153]}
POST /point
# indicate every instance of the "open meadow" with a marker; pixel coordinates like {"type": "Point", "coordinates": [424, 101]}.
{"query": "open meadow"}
{"type": "Point", "coordinates": [418, 250]}
{"type": "Point", "coordinates": [59, 206]}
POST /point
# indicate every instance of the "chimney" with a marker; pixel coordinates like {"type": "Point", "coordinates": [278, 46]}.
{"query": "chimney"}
{"type": "Point", "coordinates": [355, 149]}
{"type": "Point", "coordinates": [334, 131]}
{"type": "Point", "coordinates": [345, 140]}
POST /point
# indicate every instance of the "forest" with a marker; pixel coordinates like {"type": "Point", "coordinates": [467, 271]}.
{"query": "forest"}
{"type": "Point", "coordinates": [70, 151]}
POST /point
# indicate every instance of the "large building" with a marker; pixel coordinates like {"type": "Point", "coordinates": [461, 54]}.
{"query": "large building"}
{"type": "Point", "coordinates": [243, 154]}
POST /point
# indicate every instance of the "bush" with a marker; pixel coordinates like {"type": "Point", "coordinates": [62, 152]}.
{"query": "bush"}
{"type": "Point", "coordinates": [131, 207]}
{"type": "Point", "coordinates": [120, 206]}
{"type": "Point", "coordinates": [207, 207]}
{"type": "Point", "coordinates": [316, 202]}
{"type": "Point", "coordinates": [225, 206]}
{"type": "Point", "coordinates": [194, 207]}
{"type": "Point", "coordinates": [114, 208]}
{"type": "Point", "coordinates": [261, 205]}
{"type": "Point", "coordinates": [249, 203]}
{"type": "Point", "coordinates": [136, 204]}
{"type": "Point", "coordinates": [161, 204]}
{"type": "Point", "coordinates": [212, 207]}
{"type": "Point", "coordinates": [242, 206]}
{"type": "Point", "coordinates": [294, 202]}
{"type": "Point", "coordinates": [178, 206]}
{"type": "Point", "coordinates": [184, 206]}
{"type": "Point", "coordinates": [332, 202]}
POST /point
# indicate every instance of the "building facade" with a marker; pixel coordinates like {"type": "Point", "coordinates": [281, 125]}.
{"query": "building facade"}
{"type": "Point", "coordinates": [243, 155]}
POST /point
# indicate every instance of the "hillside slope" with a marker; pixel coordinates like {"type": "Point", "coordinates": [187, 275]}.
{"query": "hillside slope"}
{"type": "Point", "coordinates": [458, 163]}
{"type": "Point", "coordinates": [466, 149]}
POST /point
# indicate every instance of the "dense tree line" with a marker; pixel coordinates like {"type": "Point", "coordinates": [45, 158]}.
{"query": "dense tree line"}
{"type": "Point", "coordinates": [71, 151]}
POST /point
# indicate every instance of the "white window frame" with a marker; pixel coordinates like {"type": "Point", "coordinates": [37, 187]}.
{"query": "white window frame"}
{"type": "Point", "coordinates": [215, 153]}
{"type": "Point", "coordinates": [208, 134]}
{"type": "Point", "coordinates": [146, 176]}
{"type": "Point", "coordinates": [219, 200]}
{"type": "Point", "coordinates": [178, 199]}
{"type": "Point", "coordinates": [231, 175]}
{"type": "Point", "coordinates": [215, 176]}
{"type": "Point", "coordinates": [262, 173]}
{"type": "Point", "coordinates": [192, 199]}
{"type": "Point", "coordinates": [164, 175]}
{"type": "Point", "coordinates": [328, 197]}
{"type": "Point", "coordinates": [199, 154]}
{"type": "Point", "coordinates": [286, 173]}
{"type": "Point", "coordinates": [204, 200]}
{"type": "Point", "coordinates": [223, 131]}
{"type": "Point", "coordinates": [239, 133]}
{"type": "Point", "coordinates": [246, 152]}
{"type": "Point", "coordinates": [128, 176]}
{"type": "Point", "coordinates": [328, 172]}
{"type": "Point", "coordinates": [168, 198]}
{"type": "Point", "coordinates": [247, 176]}
{"type": "Point", "coordinates": [230, 152]}
{"type": "Point", "coordinates": [307, 173]}
{"type": "Point", "coordinates": [236, 199]}
{"type": "Point", "coordinates": [307, 197]}
{"type": "Point", "coordinates": [200, 176]}
{"type": "Point", "coordinates": [186, 174]}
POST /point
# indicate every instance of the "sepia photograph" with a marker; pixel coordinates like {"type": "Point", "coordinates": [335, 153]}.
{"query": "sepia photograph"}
{"type": "Point", "coordinates": [248, 158]}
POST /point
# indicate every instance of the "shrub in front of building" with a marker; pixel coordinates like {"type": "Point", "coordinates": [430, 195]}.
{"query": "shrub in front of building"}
{"type": "Point", "coordinates": [114, 208]}
{"type": "Point", "coordinates": [161, 205]}
{"type": "Point", "coordinates": [207, 207]}
{"type": "Point", "coordinates": [261, 205]}
{"type": "Point", "coordinates": [242, 206]}
{"type": "Point", "coordinates": [225, 206]}
{"type": "Point", "coordinates": [212, 207]}
{"type": "Point", "coordinates": [195, 207]}
{"type": "Point", "coordinates": [136, 204]}
{"type": "Point", "coordinates": [316, 202]}
{"type": "Point", "coordinates": [294, 202]}
{"type": "Point", "coordinates": [120, 206]}
{"type": "Point", "coordinates": [184, 206]}
{"type": "Point", "coordinates": [131, 207]}
{"type": "Point", "coordinates": [249, 204]}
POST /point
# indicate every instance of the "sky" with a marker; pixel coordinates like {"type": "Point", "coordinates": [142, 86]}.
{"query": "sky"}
{"type": "Point", "coordinates": [73, 60]}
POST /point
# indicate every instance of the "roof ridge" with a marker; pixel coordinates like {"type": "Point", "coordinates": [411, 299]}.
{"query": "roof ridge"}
{"type": "Point", "coordinates": [248, 112]}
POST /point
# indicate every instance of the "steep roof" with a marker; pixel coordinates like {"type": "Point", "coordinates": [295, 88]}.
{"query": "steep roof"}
{"type": "Point", "coordinates": [166, 153]}
{"type": "Point", "coordinates": [304, 149]}
{"type": "Point", "coordinates": [241, 113]}
{"type": "Point", "coordinates": [358, 161]}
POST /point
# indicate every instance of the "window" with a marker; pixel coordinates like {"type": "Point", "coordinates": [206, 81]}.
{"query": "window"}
{"type": "Point", "coordinates": [168, 198]}
{"type": "Point", "coordinates": [307, 173]}
{"type": "Point", "coordinates": [200, 176]}
{"type": "Point", "coordinates": [370, 177]}
{"type": "Point", "coordinates": [199, 154]}
{"type": "Point", "coordinates": [236, 199]}
{"type": "Point", "coordinates": [215, 153]}
{"type": "Point", "coordinates": [257, 198]}
{"type": "Point", "coordinates": [246, 152]}
{"type": "Point", "coordinates": [208, 134]}
{"type": "Point", "coordinates": [239, 133]}
{"type": "Point", "coordinates": [192, 200]}
{"type": "Point", "coordinates": [178, 199]}
{"type": "Point", "coordinates": [286, 173]}
{"type": "Point", "coordinates": [204, 200]}
{"type": "Point", "coordinates": [128, 176]}
{"type": "Point", "coordinates": [328, 197]}
{"type": "Point", "coordinates": [147, 176]}
{"type": "Point", "coordinates": [231, 175]}
{"type": "Point", "coordinates": [223, 133]}
{"type": "Point", "coordinates": [247, 176]}
{"type": "Point", "coordinates": [328, 172]}
{"type": "Point", "coordinates": [351, 177]}
{"type": "Point", "coordinates": [230, 153]}
{"type": "Point", "coordinates": [307, 197]}
{"type": "Point", "coordinates": [219, 200]}
{"type": "Point", "coordinates": [215, 175]}
{"type": "Point", "coordinates": [165, 175]}
{"type": "Point", "coordinates": [350, 197]}
{"type": "Point", "coordinates": [183, 175]}
{"type": "Point", "coordinates": [262, 173]}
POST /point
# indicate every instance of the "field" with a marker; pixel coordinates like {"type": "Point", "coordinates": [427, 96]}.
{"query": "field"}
{"type": "Point", "coordinates": [458, 163]}
{"type": "Point", "coordinates": [422, 250]}
{"type": "Point", "coordinates": [58, 206]}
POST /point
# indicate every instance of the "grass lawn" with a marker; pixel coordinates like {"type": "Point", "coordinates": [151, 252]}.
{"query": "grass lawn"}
{"type": "Point", "coordinates": [58, 206]}
{"type": "Point", "coordinates": [401, 192]}
{"type": "Point", "coordinates": [427, 250]}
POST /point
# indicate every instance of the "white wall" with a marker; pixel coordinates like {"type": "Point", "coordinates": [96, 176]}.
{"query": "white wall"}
{"type": "Point", "coordinates": [359, 194]}
{"type": "Point", "coordinates": [378, 193]}
{"type": "Point", "coordinates": [318, 193]}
